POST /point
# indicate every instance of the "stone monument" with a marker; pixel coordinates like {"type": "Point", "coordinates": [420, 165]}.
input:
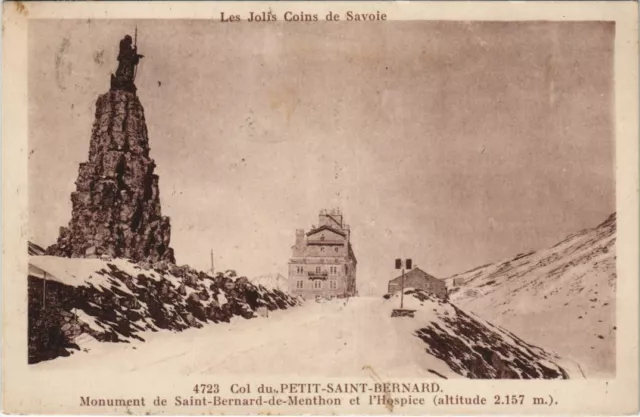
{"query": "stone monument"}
{"type": "Point", "coordinates": [116, 206]}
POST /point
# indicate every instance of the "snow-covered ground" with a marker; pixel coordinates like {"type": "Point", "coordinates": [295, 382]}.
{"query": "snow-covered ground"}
{"type": "Point", "coordinates": [331, 339]}
{"type": "Point", "coordinates": [561, 298]}
{"type": "Point", "coordinates": [337, 338]}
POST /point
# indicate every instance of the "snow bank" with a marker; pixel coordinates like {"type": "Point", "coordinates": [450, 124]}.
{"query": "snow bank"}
{"type": "Point", "coordinates": [472, 347]}
{"type": "Point", "coordinates": [118, 301]}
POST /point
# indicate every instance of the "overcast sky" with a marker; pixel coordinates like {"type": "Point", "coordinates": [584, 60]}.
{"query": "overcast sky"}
{"type": "Point", "coordinates": [453, 143]}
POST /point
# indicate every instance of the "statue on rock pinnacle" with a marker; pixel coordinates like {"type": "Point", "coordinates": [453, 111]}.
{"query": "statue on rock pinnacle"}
{"type": "Point", "coordinates": [116, 205]}
{"type": "Point", "coordinates": [128, 59]}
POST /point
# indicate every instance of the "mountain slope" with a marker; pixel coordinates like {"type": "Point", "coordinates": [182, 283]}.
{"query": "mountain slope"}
{"type": "Point", "coordinates": [561, 298]}
{"type": "Point", "coordinates": [473, 347]}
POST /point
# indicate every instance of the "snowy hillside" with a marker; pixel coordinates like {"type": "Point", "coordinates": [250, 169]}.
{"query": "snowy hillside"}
{"type": "Point", "coordinates": [337, 338]}
{"type": "Point", "coordinates": [561, 298]}
{"type": "Point", "coordinates": [272, 282]}
{"type": "Point", "coordinates": [75, 300]}
{"type": "Point", "coordinates": [473, 347]}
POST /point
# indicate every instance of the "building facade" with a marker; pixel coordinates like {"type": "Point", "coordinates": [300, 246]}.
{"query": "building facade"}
{"type": "Point", "coordinates": [323, 262]}
{"type": "Point", "coordinates": [417, 278]}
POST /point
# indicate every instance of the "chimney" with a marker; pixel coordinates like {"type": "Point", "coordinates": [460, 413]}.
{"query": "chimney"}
{"type": "Point", "coordinates": [323, 220]}
{"type": "Point", "coordinates": [330, 218]}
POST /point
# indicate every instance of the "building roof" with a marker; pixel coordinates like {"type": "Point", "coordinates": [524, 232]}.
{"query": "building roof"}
{"type": "Point", "coordinates": [36, 272]}
{"type": "Point", "coordinates": [418, 271]}
{"type": "Point", "coordinates": [325, 227]}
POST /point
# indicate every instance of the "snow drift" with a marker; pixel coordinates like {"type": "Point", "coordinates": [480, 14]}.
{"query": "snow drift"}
{"type": "Point", "coordinates": [473, 347]}
{"type": "Point", "coordinates": [561, 298]}
{"type": "Point", "coordinates": [74, 299]}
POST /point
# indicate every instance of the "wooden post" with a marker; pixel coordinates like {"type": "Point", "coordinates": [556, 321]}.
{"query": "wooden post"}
{"type": "Point", "coordinates": [402, 291]}
{"type": "Point", "coordinates": [213, 273]}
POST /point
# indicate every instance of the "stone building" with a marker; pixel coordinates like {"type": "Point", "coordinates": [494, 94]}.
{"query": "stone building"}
{"type": "Point", "coordinates": [458, 281]}
{"type": "Point", "coordinates": [323, 262]}
{"type": "Point", "coordinates": [417, 278]}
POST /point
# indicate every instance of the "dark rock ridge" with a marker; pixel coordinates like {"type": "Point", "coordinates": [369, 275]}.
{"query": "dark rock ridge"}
{"type": "Point", "coordinates": [116, 205]}
{"type": "Point", "coordinates": [75, 300]}
{"type": "Point", "coordinates": [475, 348]}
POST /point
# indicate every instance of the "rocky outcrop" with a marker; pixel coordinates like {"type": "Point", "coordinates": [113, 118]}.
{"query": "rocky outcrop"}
{"type": "Point", "coordinates": [116, 205]}
{"type": "Point", "coordinates": [472, 347]}
{"type": "Point", "coordinates": [71, 300]}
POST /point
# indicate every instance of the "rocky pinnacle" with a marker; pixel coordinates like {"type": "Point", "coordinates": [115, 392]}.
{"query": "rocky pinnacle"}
{"type": "Point", "coordinates": [116, 205]}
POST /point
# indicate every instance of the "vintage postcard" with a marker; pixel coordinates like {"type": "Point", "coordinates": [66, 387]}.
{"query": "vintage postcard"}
{"type": "Point", "coordinates": [240, 208]}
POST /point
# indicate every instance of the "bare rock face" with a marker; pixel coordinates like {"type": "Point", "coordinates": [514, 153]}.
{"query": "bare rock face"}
{"type": "Point", "coordinates": [116, 205]}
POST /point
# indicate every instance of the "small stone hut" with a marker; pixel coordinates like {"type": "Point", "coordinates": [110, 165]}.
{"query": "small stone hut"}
{"type": "Point", "coordinates": [417, 278]}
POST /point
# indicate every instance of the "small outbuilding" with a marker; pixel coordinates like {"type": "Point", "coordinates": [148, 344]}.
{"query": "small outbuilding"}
{"type": "Point", "coordinates": [417, 278]}
{"type": "Point", "coordinates": [458, 281]}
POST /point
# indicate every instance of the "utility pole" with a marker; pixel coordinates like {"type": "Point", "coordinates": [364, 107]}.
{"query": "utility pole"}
{"type": "Point", "coordinates": [213, 272]}
{"type": "Point", "coordinates": [402, 293]}
{"type": "Point", "coordinates": [401, 264]}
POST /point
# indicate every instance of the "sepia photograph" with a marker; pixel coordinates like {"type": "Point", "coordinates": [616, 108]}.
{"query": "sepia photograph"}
{"type": "Point", "coordinates": [290, 194]}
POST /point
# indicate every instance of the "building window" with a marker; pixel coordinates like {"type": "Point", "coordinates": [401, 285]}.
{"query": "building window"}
{"type": "Point", "coordinates": [321, 248]}
{"type": "Point", "coordinates": [333, 285]}
{"type": "Point", "coordinates": [299, 270]}
{"type": "Point", "coordinates": [333, 270]}
{"type": "Point", "coordinates": [336, 249]}
{"type": "Point", "coordinates": [317, 269]}
{"type": "Point", "coordinates": [317, 284]}
{"type": "Point", "coordinates": [299, 284]}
